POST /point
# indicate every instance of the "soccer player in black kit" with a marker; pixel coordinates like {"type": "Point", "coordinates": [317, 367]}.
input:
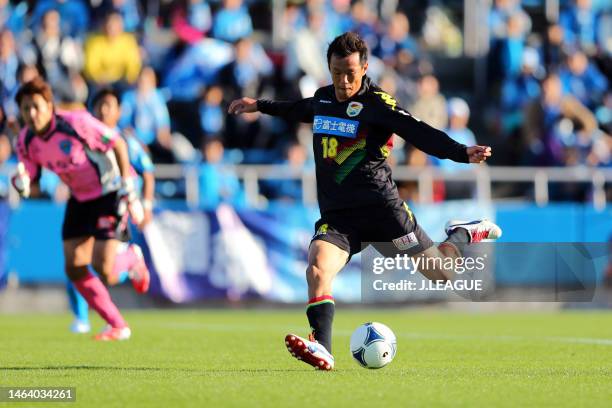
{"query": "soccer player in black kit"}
{"type": "Point", "coordinates": [353, 122]}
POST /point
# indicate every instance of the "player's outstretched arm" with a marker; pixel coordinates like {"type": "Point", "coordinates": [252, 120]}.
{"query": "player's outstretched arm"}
{"type": "Point", "coordinates": [301, 110]}
{"type": "Point", "coordinates": [389, 115]}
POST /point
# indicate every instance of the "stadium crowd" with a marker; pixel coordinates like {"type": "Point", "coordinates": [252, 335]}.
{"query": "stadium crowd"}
{"type": "Point", "coordinates": [177, 64]}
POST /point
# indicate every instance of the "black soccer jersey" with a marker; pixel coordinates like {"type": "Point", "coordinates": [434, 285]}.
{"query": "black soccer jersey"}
{"type": "Point", "coordinates": [352, 140]}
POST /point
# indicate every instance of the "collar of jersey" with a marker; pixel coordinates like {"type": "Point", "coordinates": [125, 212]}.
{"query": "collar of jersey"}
{"type": "Point", "coordinates": [365, 85]}
{"type": "Point", "coordinates": [52, 127]}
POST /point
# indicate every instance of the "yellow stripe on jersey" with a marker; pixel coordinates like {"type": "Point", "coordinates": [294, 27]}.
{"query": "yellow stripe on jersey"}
{"type": "Point", "coordinates": [409, 212]}
{"type": "Point", "coordinates": [346, 152]}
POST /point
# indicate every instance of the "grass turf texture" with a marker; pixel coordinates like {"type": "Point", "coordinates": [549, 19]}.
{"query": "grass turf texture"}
{"type": "Point", "coordinates": [238, 358]}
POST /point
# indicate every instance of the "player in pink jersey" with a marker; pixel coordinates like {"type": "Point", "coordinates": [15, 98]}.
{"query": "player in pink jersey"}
{"type": "Point", "coordinates": [92, 160]}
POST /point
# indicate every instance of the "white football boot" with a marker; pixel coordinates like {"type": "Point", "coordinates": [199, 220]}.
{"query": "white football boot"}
{"type": "Point", "coordinates": [477, 230]}
{"type": "Point", "coordinates": [113, 334]}
{"type": "Point", "coordinates": [80, 327]}
{"type": "Point", "coordinates": [310, 352]}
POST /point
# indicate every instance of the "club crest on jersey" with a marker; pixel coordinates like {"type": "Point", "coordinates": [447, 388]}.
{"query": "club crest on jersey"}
{"type": "Point", "coordinates": [65, 146]}
{"type": "Point", "coordinates": [354, 108]}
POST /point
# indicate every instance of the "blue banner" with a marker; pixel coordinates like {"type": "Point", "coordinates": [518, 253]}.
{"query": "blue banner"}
{"type": "Point", "coordinates": [221, 254]}
{"type": "Point", "coordinates": [224, 254]}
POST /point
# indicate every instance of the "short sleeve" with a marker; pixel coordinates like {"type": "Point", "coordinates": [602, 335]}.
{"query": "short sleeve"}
{"type": "Point", "coordinates": [95, 134]}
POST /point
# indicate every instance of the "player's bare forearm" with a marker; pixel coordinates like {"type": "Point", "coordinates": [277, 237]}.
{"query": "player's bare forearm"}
{"type": "Point", "coordinates": [148, 186]}
{"type": "Point", "coordinates": [123, 160]}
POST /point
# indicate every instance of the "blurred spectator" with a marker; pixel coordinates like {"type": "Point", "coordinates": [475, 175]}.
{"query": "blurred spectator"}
{"type": "Point", "coordinates": [107, 109]}
{"type": "Point", "coordinates": [294, 19]}
{"type": "Point", "coordinates": [604, 113]}
{"type": "Point", "coordinates": [558, 129]}
{"type": "Point", "coordinates": [404, 90]}
{"type": "Point", "coordinates": [243, 76]}
{"type": "Point", "coordinates": [129, 10]}
{"type": "Point", "coordinates": [191, 19]}
{"type": "Point", "coordinates": [553, 47]}
{"type": "Point", "coordinates": [501, 13]}
{"type": "Point", "coordinates": [459, 116]}
{"type": "Point", "coordinates": [250, 131]}
{"type": "Point", "coordinates": [13, 16]}
{"type": "Point", "coordinates": [397, 48]}
{"type": "Point", "coordinates": [518, 91]}
{"type": "Point", "coordinates": [364, 23]}
{"type": "Point", "coordinates": [73, 93]}
{"type": "Point", "coordinates": [306, 53]}
{"type": "Point", "coordinates": [196, 68]}
{"type": "Point", "coordinates": [583, 80]}
{"type": "Point", "coordinates": [144, 111]}
{"type": "Point", "coordinates": [59, 57]}
{"type": "Point", "coordinates": [337, 18]}
{"type": "Point", "coordinates": [212, 114]}
{"type": "Point", "coordinates": [441, 34]}
{"type": "Point", "coordinates": [289, 190]}
{"type": "Point", "coordinates": [580, 25]}
{"type": "Point", "coordinates": [600, 154]}
{"type": "Point", "coordinates": [232, 21]}
{"type": "Point", "coordinates": [512, 48]}
{"type": "Point", "coordinates": [9, 63]}
{"type": "Point", "coordinates": [25, 73]}
{"type": "Point", "coordinates": [604, 37]}
{"type": "Point", "coordinates": [112, 57]}
{"type": "Point", "coordinates": [74, 16]}
{"type": "Point", "coordinates": [217, 184]}
{"type": "Point", "coordinates": [430, 105]}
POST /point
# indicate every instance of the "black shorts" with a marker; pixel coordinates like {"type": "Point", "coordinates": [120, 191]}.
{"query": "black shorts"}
{"type": "Point", "coordinates": [393, 223]}
{"type": "Point", "coordinates": [99, 218]}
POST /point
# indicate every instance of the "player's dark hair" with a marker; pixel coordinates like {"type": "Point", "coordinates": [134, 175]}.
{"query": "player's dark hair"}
{"type": "Point", "coordinates": [103, 93]}
{"type": "Point", "coordinates": [33, 87]}
{"type": "Point", "coordinates": [345, 45]}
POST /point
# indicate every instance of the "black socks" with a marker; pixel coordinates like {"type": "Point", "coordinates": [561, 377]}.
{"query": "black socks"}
{"type": "Point", "coordinates": [320, 312]}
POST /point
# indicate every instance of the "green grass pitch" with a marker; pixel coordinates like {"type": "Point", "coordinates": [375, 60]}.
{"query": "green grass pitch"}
{"type": "Point", "coordinates": [238, 358]}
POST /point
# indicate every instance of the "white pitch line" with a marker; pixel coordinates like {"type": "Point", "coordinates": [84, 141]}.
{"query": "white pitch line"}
{"type": "Point", "coordinates": [412, 335]}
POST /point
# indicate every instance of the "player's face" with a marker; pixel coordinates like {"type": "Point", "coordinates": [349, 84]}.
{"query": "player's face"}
{"type": "Point", "coordinates": [347, 74]}
{"type": "Point", "coordinates": [36, 112]}
{"type": "Point", "coordinates": [108, 111]}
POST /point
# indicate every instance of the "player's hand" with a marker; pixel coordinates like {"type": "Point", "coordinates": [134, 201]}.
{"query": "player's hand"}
{"type": "Point", "coordinates": [148, 216]}
{"type": "Point", "coordinates": [147, 206]}
{"type": "Point", "coordinates": [478, 154]}
{"type": "Point", "coordinates": [21, 180]}
{"type": "Point", "coordinates": [242, 105]}
{"type": "Point", "coordinates": [128, 198]}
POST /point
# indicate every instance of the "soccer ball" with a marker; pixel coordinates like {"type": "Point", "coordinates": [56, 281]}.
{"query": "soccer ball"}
{"type": "Point", "coordinates": [373, 345]}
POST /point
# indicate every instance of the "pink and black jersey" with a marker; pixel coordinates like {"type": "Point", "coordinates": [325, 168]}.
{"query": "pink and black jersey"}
{"type": "Point", "coordinates": [79, 149]}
